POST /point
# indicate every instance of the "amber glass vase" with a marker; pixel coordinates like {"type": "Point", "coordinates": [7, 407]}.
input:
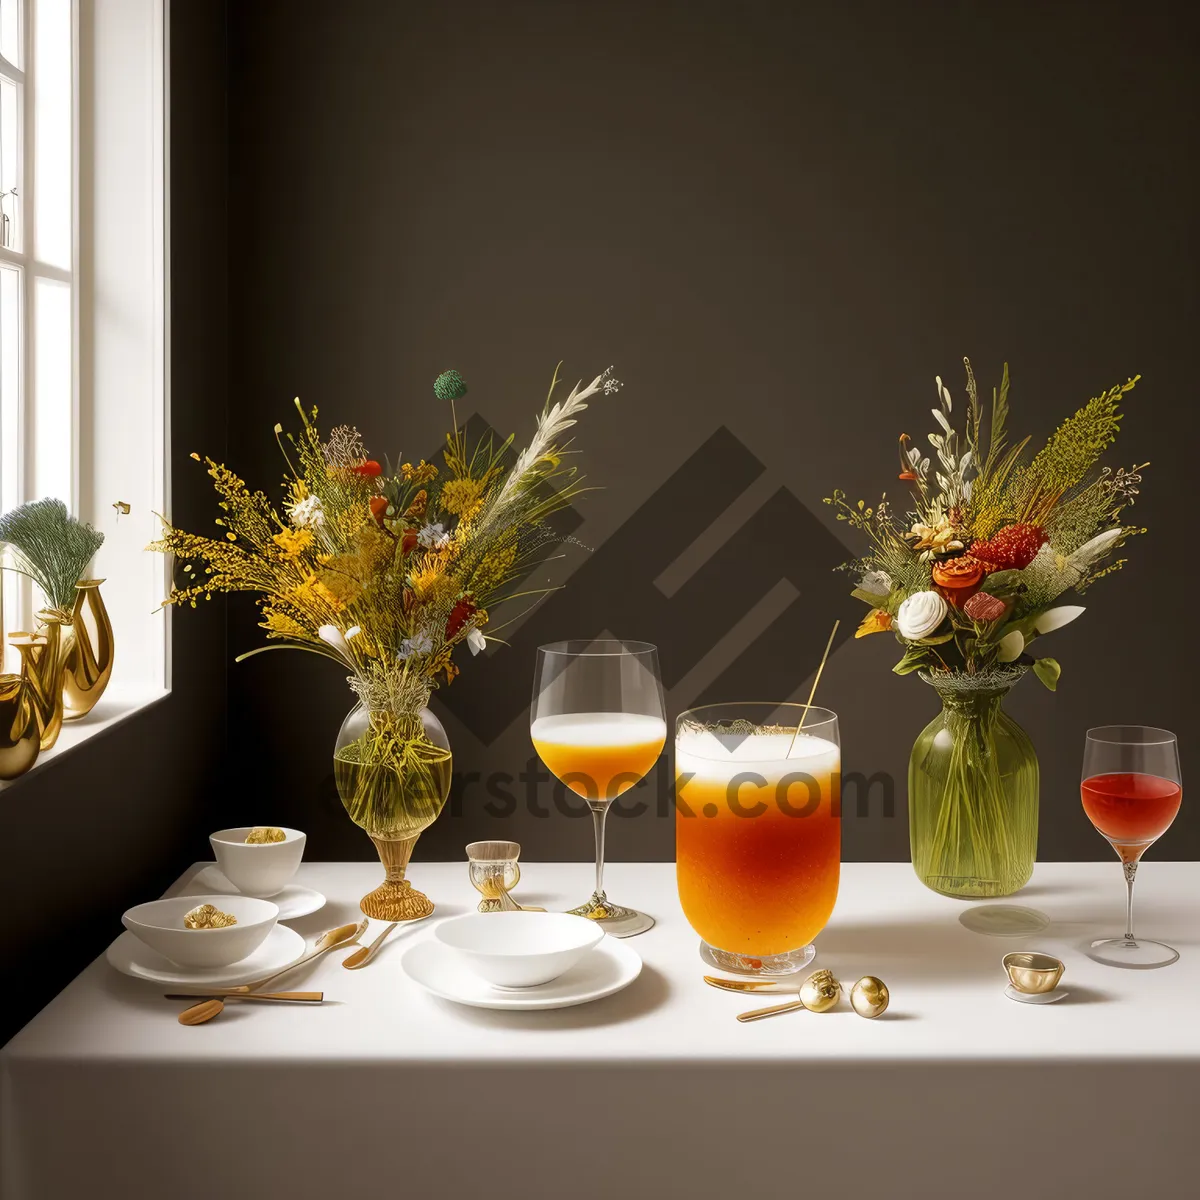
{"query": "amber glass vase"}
{"type": "Point", "coordinates": [393, 776]}
{"type": "Point", "coordinates": [973, 790]}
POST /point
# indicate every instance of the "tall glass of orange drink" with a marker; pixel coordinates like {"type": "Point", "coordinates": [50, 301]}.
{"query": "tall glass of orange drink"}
{"type": "Point", "coordinates": [597, 721]}
{"type": "Point", "coordinates": [758, 837]}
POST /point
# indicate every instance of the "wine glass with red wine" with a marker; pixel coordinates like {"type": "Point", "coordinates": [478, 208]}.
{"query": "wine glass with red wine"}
{"type": "Point", "coordinates": [1131, 789]}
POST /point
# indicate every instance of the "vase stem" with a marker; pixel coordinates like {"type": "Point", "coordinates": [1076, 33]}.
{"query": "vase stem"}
{"type": "Point", "coordinates": [395, 899]}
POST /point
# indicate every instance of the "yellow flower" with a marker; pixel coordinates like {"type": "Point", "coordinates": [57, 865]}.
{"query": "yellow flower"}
{"type": "Point", "coordinates": [328, 589]}
{"type": "Point", "coordinates": [293, 542]}
{"type": "Point", "coordinates": [423, 472]}
{"type": "Point", "coordinates": [878, 620]}
{"type": "Point", "coordinates": [279, 624]}
{"type": "Point", "coordinates": [428, 582]}
{"type": "Point", "coordinates": [461, 496]}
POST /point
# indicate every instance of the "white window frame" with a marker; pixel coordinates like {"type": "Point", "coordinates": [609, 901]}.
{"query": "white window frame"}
{"type": "Point", "coordinates": [119, 341]}
{"type": "Point", "coordinates": [16, 602]}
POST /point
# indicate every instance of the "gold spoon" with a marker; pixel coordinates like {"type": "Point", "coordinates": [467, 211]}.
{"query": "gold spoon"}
{"type": "Point", "coordinates": [757, 1014]}
{"type": "Point", "coordinates": [214, 1006]}
{"type": "Point", "coordinates": [198, 1014]}
{"type": "Point", "coordinates": [364, 954]}
{"type": "Point", "coordinates": [744, 985]}
{"type": "Point", "coordinates": [304, 997]}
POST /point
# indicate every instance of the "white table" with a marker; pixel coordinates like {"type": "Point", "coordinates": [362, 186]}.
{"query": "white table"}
{"type": "Point", "coordinates": [656, 1091]}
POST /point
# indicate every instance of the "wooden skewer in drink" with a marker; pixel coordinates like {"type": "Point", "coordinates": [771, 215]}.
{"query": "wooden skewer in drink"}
{"type": "Point", "coordinates": [813, 690]}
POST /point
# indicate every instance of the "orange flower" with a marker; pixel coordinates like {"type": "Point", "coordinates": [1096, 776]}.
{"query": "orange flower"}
{"type": "Point", "coordinates": [379, 507]}
{"type": "Point", "coordinates": [958, 579]}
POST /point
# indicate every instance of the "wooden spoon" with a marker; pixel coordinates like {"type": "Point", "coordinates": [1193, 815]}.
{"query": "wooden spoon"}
{"type": "Point", "coordinates": [326, 942]}
{"type": "Point", "coordinates": [364, 954]}
{"type": "Point", "coordinates": [214, 1006]}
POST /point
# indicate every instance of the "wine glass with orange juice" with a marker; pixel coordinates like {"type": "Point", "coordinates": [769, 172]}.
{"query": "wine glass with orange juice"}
{"type": "Point", "coordinates": [758, 842]}
{"type": "Point", "coordinates": [597, 722]}
{"type": "Point", "coordinates": [1131, 789]}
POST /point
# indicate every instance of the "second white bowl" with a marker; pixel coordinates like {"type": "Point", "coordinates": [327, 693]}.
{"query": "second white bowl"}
{"type": "Point", "coordinates": [519, 949]}
{"type": "Point", "coordinates": [257, 869]}
{"type": "Point", "coordinates": [160, 925]}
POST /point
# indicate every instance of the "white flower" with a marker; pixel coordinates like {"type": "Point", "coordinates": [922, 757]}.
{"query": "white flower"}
{"type": "Point", "coordinates": [419, 643]}
{"type": "Point", "coordinates": [433, 537]}
{"type": "Point", "coordinates": [1095, 549]}
{"type": "Point", "coordinates": [1056, 618]}
{"type": "Point", "coordinates": [353, 632]}
{"type": "Point", "coordinates": [331, 635]}
{"type": "Point", "coordinates": [920, 615]}
{"type": "Point", "coordinates": [475, 640]}
{"type": "Point", "coordinates": [1010, 646]}
{"type": "Point", "coordinates": [307, 513]}
{"type": "Point", "coordinates": [878, 583]}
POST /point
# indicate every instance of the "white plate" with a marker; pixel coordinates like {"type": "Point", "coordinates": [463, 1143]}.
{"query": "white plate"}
{"type": "Point", "coordinates": [293, 902]}
{"type": "Point", "coordinates": [132, 957]}
{"type": "Point", "coordinates": [612, 966]}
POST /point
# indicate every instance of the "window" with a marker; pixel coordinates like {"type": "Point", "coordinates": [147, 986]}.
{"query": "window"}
{"type": "Point", "coordinates": [37, 264]}
{"type": "Point", "coordinates": [83, 307]}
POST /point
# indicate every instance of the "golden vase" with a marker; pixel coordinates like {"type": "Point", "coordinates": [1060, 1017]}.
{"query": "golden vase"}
{"type": "Point", "coordinates": [393, 777]}
{"type": "Point", "coordinates": [41, 665]}
{"type": "Point", "coordinates": [87, 658]}
{"type": "Point", "coordinates": [20, 735]}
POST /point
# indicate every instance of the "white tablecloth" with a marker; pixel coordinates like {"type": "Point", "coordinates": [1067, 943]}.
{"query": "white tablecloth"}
{"type": "Point", "coordinates": [656, 1091]}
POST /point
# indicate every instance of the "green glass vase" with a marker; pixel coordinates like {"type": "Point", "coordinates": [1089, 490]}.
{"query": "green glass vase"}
{"type": "Point", "coordinates": [973, 790]}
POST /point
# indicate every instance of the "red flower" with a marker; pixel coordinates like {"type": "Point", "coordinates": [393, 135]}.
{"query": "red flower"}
{"type": "Point", "coordinates": [409, 541]}
{"type": "Point", "coordinates": [984, 607]}
{"type": "Point", "coordinates": [958, 579]}
{"type": "Point", "coordinates": [907, 476]}
{"type": "Point", "coordinates": [379, 507]}
{"type": "Point", "coordinates": [460, 614]}
{"type": "Point", "coordinates": [368, 470]}
{"type": "Point", "coordinates": [1012, 548]}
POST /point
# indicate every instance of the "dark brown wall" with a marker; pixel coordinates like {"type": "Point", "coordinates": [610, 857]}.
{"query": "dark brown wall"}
{"type": "Point", "coordinates": [778, 220]}
{"type": "Point", "coordinates": [90, 833]}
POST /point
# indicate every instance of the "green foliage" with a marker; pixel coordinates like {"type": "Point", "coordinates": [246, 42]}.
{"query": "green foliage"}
{"type": "Point", "coordinates": [1048, 671]}
{"type": "Point", "coordinates": [52, 547]}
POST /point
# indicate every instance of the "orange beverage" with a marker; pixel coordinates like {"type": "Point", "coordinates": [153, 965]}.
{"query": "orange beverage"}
{"type": "Point", "coordinates": [757, 837]}
{"type": "Point", "coordinates": [599, 755]}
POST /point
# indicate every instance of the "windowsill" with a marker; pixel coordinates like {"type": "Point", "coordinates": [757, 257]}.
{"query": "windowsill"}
{"type": "Point", "coordinates": [116, 705]}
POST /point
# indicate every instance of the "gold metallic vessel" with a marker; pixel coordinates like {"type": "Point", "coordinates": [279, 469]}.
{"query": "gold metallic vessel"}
{"type": "Point", "coordinates": [20, 734]}
{"type": "Point", "coordinates": [87, 662]}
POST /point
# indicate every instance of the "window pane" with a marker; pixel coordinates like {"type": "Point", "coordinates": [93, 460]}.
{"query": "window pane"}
{"type": "Point", "coordinates": [53, 467]}
{"type": "Point", "coordinates": [10, 446]}
{"type": "Point", "coordinates": [52, 131]}
{"type": "Point", "coordinates": [10, 31]}
{"type": "Point", "coordinates": [9, 158]}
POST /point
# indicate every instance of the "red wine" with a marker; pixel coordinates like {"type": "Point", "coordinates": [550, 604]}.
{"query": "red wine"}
{"type": "Point", "coordinates": [1131, 809]}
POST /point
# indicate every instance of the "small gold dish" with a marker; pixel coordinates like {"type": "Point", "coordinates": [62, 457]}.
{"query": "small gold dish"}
{"type": "Point", "coordinates": [1032, 973]}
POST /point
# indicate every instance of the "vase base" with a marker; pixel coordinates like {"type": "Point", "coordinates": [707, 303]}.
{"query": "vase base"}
{"type": "Point", "coordinates": [396, 901]}
{"type": "Point", "coordinates": [768, 964]}
{"type": "Point", "coordinates": [971, 887]}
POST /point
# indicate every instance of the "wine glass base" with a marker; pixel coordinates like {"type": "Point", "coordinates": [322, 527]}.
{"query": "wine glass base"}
{"type": "Point", "coordinates": [768, 964]}
{"type": "Point", "coordinates": [1140, 955]}
{"type": "Point", "coordinates": [614, 920]}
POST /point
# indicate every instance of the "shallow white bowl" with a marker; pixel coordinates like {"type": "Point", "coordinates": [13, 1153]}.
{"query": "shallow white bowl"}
{"type": "Point", "coordinates": [519, 949]}
{"type": "Point", "coordinates": [259, 869]}
{"type": "Point", "coordinates": [160, 925]}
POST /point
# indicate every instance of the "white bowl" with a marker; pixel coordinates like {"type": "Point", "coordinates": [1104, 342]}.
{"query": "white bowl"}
{"type": "Point", "coordinates": [260, 869]}
{"type": "Point", "coordinates": [160, 925]}
{"type": "Point", "coordinates": [519, 949]}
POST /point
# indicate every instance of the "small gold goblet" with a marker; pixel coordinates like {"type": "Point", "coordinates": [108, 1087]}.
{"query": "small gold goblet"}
{"type": "Point", "coordinates": [494, 873]}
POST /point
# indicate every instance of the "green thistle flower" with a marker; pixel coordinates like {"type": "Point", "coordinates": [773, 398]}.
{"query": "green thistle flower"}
{"type": "Point", "coordinates": [449, 386]}
{"type": "Point", "coordinates": [52, 547]}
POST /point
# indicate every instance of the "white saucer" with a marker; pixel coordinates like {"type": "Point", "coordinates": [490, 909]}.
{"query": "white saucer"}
{"type": "Point", "coordinates": [607, 969]}
{"type": "Point", "coordinates": [293, 902]}
{"type": "Point", "coordinates": [133, 957]}
{"type": "Point", "coordinates": [1034, 997]}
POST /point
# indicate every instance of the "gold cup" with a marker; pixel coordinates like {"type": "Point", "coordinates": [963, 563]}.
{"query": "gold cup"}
{"type": "Point", "coordinates": [1032, 973]}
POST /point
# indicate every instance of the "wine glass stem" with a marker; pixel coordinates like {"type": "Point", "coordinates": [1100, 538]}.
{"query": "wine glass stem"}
{"type": "Point", "coordinates": [599, 812]}
{"type": "Point", "coordinates": [1130, 873]}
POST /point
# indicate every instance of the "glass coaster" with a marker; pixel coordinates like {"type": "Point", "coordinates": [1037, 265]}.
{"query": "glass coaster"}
{"type": "Point", "coordinates": [1004, 920]}
{"type": "Point", "coordinates": [1140, 955]}
{"type": "Point", "coordinates": [770, 964]}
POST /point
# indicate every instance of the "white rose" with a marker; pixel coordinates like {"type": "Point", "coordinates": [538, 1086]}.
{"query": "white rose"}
{"type": "Point", "coordinates": [920, 615]}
